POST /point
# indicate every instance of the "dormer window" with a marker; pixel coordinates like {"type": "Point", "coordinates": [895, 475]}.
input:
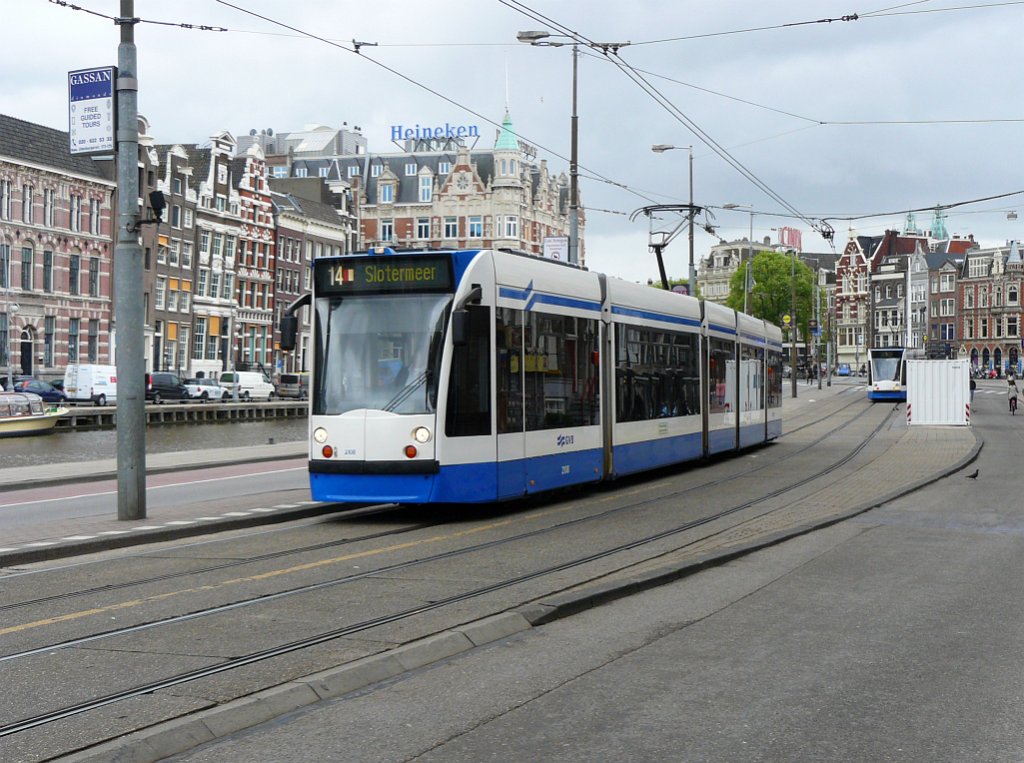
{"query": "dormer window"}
{"type": "Point", "coordinates": [426, 188]}
{"type": "Point", "coordinates": [353, 171]}
{"type": "Point", "coordinates": [410, 169]}
{"type": "Point", "coordinates": [375, 170]}
{"type": "Point", "coordinates": [386, 193]}
{"type": "Point", "coordinates": [444, 168]}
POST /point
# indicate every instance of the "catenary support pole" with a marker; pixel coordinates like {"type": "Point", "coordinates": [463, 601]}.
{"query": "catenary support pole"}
{"type": "Point", "coordinates": [128, 297]}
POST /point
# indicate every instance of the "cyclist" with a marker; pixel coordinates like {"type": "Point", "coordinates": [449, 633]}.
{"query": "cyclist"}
{"type": "Point", "coordinates": [1011, 391]}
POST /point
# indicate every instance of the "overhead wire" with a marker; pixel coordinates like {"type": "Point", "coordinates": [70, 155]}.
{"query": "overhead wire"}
{"type": "Point", "coordinates": [611, 51]}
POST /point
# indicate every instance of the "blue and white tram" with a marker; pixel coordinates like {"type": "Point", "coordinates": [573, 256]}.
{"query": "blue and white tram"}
{"type": "Point", "coordinates": [478, 376]}
{"type": "Point", "coordinates": [887, 372]}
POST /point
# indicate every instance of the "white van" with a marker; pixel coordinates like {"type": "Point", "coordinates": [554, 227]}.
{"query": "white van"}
{"type": "Point", "coordinates": [86, 382]}
{"type": "Point", "coordinates": [252, 385]}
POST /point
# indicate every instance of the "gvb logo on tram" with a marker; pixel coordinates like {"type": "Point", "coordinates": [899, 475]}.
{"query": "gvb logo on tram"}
{"type": "Point", "coordinates": [565, 439]}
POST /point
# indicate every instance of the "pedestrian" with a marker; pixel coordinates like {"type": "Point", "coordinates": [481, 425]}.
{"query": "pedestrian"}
{"type": "Point", "coordinates": [1011, 391]}
{"type": "Point", "coordinates": [974, 386]}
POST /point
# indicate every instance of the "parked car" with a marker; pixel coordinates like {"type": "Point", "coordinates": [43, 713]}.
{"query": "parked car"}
{"type": "Point", "coordinates": [91, 383]}
{"type": "Point", "coordinates": [293, 385]}
{"type": "Point", "coordinates": [162, 386]}
{"type": "Point", "coordinates": [45, 390]}
{"type": "Point", "coordinates": [252, 385]}
{"type": "Point", "coordinates": [206, 388]}
{"type": "Point", "coordinates": [843, 370]}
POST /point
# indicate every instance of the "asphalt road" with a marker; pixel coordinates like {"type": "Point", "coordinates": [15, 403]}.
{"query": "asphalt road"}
{"type": "Point", "coordinates": [893, 636]}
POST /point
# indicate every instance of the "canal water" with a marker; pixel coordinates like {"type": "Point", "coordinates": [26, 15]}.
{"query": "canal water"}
{"type": "Point", "coordinates": [62, 447]}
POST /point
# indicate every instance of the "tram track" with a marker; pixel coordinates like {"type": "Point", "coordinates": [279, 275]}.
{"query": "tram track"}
{"type": "Point", "coordinates": [43, 719]}
{"type": "Point", "coordinates": [311, 548]}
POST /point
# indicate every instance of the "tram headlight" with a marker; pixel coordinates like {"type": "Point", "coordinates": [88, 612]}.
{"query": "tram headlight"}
{"type": "Point", "coordinates": [320, 435]}
{"type": "Point", "coordinates": [421, 434]}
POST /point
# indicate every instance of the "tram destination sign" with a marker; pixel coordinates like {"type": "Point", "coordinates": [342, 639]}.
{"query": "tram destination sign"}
{"type": "Point", "coordinates": [371, 274]}
{"type": "Point", "coordinates": [91, 111]}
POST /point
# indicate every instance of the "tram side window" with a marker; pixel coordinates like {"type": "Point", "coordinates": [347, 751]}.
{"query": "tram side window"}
{"type": "Point", "coordinates": [560, 371]}
{"type": "Point", "coordinates": [774, 386]}
{"type": "Point", "coordinates": [721, 361]}
{"type": "Point", "coordinates": [751, 383]}
{"type": "Point", "coordinates": [469, 384]}
{"type": "Point", "coordinates": [510, 369]}
{"type": "Point", "coordinates": [656, 374]}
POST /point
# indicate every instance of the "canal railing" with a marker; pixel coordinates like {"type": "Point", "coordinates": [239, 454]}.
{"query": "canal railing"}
{"type": "Point", "coordinates": [105, 417]}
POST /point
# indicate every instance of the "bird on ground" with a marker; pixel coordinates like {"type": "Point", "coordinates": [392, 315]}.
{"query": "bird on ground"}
{"type": "Point", "coordinates": [973, 476]}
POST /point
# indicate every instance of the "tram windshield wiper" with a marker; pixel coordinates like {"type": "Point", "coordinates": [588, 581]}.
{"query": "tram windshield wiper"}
{"type": "Point", "coordinates": [403, 394]}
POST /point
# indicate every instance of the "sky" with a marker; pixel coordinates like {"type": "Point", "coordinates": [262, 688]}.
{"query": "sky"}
{"type": "Point", "coordinates": [793, 119]}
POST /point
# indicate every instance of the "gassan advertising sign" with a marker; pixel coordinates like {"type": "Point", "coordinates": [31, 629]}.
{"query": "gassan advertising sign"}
{"type": "Point", "coordinates": [91, 109]}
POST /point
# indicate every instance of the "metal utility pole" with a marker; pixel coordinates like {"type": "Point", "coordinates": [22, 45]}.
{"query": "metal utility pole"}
{"type": "Point", "coordinates": [128, 274]}
{"type": "Point", "coordinates": [817, 330]}
{"type": "Point", "coordinates": [692, 284]}
{"type": "Point", "coordinates": [574, 186]}
{"type": "Point", "coordinates": [792, 338]}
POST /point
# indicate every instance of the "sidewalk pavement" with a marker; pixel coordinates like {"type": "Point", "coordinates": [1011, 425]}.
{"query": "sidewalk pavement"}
{"type": "Point", "coordinates": [940, 451]}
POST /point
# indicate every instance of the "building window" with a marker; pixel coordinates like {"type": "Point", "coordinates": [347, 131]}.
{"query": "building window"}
{"type": "Point", "coordinates": [94, 217]}
{"type": "Point", "coordinates": [511, 226]}
{"type": "Point", "coordinates": [48, 205]}
{"type": "Point", "coordinates": [215, 285]}
{"type": "Point", "coordinates": [27, 266]}
{"type": "Point", "coordinates": [160, 292]}
{"type": "Point", "coordinates": [946, 307]}
{"type": "Point", "coordinates": [476, 227]}
{"type": "Point", "coordinates": [353, 171]}
{"type": "Point", "coordinates": [451, 227]}
{"type": "Point", "coordinates": [175, 252]}
{"type": "Point", "coordinates": [410, 169]}
{"type": "Point", "coordinates": [426, 188]}
{"type": "Point", "coordinates": [1011, 325]}
{"type": "Point", "coordinates": [324, 171]}
{"type": "Point", "coordinates": [48, 272]}
{"type": "Point", "coordinates": [280, 171]}
{"type": "Point", "coordinates": [5, 199]}
{"type": "Point", "coordinates": [176, 216]}
{"type": "Point", "coordinates": [186, 254]}
{"type": "Point", "coordinates": [74, 268]}
{"type": "Point", "coordinates": [385, 193]}
{"type": "Point", "coordinates": [444, 168]}
{"type": "Point", "coordinates": [49, 326]}
{"type": "Point", "coordinates": [947, 282]}
{"type": "Point", "coordinates": [201, 287]}
{"type": "Point", "coordinates": [300, 172]}
{"type": "Point", "coordinates": [27, 204]}
{"type": "Point", "coordinates": [374, 170]}
{"type": "Point", "coordinates": [93, 347]}
{"type": "Point", "coordinates": [94, 276]}
{"type": "Point", "coordinates": [218, 242]}
{"type": "Point", "coordinates": [1011, 295]}
{"type": "Point", "coordinates": [387, 230]}
{"type": "Point", "coordinates": [75, 213]}
{"type": "Point", "coordinates": [73, 339]}
{"type": "Point", "coordinates": [199, 338]}
{"type": "Point", "coordinates": [423, 227]}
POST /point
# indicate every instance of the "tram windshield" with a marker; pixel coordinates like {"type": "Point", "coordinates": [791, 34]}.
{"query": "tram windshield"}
{"type": "Point", "coordinates": [380, 352]}
{"type": "Point", "coordinates": [886, 366]}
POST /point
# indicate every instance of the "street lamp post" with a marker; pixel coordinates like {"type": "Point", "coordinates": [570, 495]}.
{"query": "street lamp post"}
{"type": "Point", "coordinates": [543, 38]}
{"type": "Point", "coordinates": [661, 148]}
{"type": "Point", "coordinates": [750, 252]}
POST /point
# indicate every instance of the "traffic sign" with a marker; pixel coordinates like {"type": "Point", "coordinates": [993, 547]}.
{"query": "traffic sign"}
{"type": "Point", "coordinates": [785, 320]}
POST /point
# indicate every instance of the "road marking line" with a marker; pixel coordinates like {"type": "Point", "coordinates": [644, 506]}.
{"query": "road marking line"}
{"type": "Point", "coordinates": [70, 537]}
{"type": "Point", "coordinates": [182, 522]}
{"type": "Point", "coordinates": [236, 514]}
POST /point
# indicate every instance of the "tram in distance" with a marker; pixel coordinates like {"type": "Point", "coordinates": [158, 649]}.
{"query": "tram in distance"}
{"type": "Point", "coordinates": [480, 376]}
{"type": "Point", "coordinates": [887, 372]}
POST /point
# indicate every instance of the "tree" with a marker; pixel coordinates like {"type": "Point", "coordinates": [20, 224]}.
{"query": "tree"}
{"type": "Point", "coordinates": [771, 297]}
